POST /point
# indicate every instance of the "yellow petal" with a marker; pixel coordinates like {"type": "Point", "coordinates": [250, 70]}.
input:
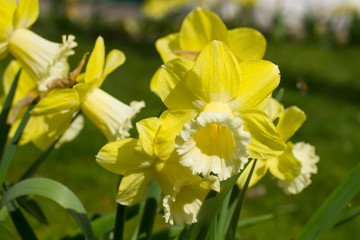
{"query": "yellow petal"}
{"type": "Point", "coordinates": [167, 45]}
{"type": "Point", "coordinates": [132, 186]}
{"type": "Point", "coordinates": [6, 23]}
{"type": "Point", "coordinates": [114, 59]}
{"type": "Point", "coordinates": [260, 170]}
{"type": "Point", "coordinates": [265, 141]}
{"type": "Point", "coordinates": [110, 115]}
{"type": "Point", "coordinates": [215, 76]}
{"type": "Point", "coordinates": [119, 157]}
{"type": "Point", "coordinates": [25, 84]}
{"type": "Point", "coordinates": [95, 65]}
{"type": "Point", "coordinates": [171, 126]}
{"type": "Point", "coordinates": [260, 78]}
{"type": "Point", "coordinates": [154, 82]}
{"type": "Point", "coordinates": [171, 84]}
{"type": "Point", "coordinates": [246, 44]}
{"type": "Point", "coordinates": [57, 100]}
{"type": "Point", "coordinates": [147, 129]}
{"type": "Point", "coordinates": [26, 13]}
{"type": "Point", "coordinates": [290, 121]}
{"type": "Point", "coordinates": [199, 28]}
{"type": "Point", "coordinates": [274, 109]}
{"type": "Point", "coordinates": [286, 166]}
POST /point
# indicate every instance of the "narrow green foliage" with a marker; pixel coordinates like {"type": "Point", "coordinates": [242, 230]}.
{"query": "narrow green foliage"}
{"type": "Point", "coordinates": [349, 216]}
{"type": "Point", "coordinates": [5, 128]}
{"type": "Point", "coordinates": [10, 151]}
{"type": "Point", "coordinates": [120, 222]}
{"type": "Point", "coordinates": [250, 221]}
{"type": "Point", "coordinates": [6, 234]}
{"type": "Point", "coordinates": [33, 208]}
{"type": "Point", "coordinates": [55, 191]}
{"type": "Point", "coordinates": [332, 208]}
{"type": "Point", "coordinates": [231, 233]}
{"type": "Point", "coordinates": [209, 210]}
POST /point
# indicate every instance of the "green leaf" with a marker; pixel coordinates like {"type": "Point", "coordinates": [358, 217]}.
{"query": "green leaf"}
{"type": "Point", "coordinates": [349, 216]}
{"type": "Point", "coordinates": [208, 211]}
{"type": "Point", "coordinates": [250, 221]}
{"type": "Point", "coordinates": [6, 234]}
{"type": "Point", "coordinates": [33, 208]}
{"type": "Point", "coordinates": [5, 112]}
{"type": "Point", "coordinates": [231, 233]}
{"type": "Point", "coordinates": [104, 224]}
{"type": "Point", "coordinates": [55, 191]}
{"type": "Point", "coordinates": [119, 222]}
{"type": "Point", "coordinates": [168, 233]}
{"type": "Point", "coordinates": [332, 208]}
{"type": "Point", "coordinates": [10, 150]}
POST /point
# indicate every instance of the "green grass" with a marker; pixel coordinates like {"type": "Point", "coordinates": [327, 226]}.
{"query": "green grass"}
{"type": "Point", "coordinates": [332, 105]}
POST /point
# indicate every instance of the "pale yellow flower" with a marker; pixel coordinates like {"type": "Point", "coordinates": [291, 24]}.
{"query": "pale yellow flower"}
{"type": "Point", "coordinates": [111, 116]}
{"type": "Point", "coordinates": [46, 61]}
{"type": "Point", "coordinates": [137, 161]}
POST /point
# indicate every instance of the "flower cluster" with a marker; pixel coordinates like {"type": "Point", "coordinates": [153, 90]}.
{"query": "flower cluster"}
{"type": "Point", "coordinates": [217, 90]}
{"type": "Point", "coordinates": [60, 94]}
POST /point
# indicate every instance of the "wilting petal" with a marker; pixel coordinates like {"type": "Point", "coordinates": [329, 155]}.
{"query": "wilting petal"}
{"type": "Point", "coordinates": [95, 65]}
{"type": "Point", "coordinates": [215, 76]}
{"type": "Point", "coordinates": [147, 129]}
{"type": "Point", "coordinates": [290, 120]}
{"type": "Point", "coordinates": [26, 13]}
{"type": "Point", "coordinates": [120, 157]}
{"type": "Point", "coordinates": [265, 141]}
{"type": "Point", "coordinates": [246, 44]}
{"type": "Point", "coordinates": [114, 59]}
{"type": "Point", "coordinates": [57, 100]}
{"type": "Point", "coordinates": [171, 84]}
{"type": "Point", "coordinates": [260, 170]}
{"type": "Point", "coordinates": [132, 186]}
{"type": "Point", "coordinates": [213, 143]}
{"type": "Point", "coordinates": [259, 79]}
{"type": "Point", "coordinates": [172, 124]}
{"type": "Point", "coordinates": [199, 28]}
{"type": "Point", "coordinates": [167, 45]}
{"type": "Point", "coordinates": [111, 116]}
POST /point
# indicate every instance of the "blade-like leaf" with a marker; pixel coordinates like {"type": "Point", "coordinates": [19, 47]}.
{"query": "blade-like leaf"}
{"type": "Point", "coordinates": [33, 208]}
{"type": "Point", "coordinates": [105, 223]}
{"type": "Point", "coordinates": [331, 209]}
{"type": "Point", "coordinates": [247, 222]}
{"type": "Point", "coordinates": [230, 235]}
{"type": "Point", "coordinates": [6, 234]}
{"type": "Point", "coordinates": [349, 216]}
{"type": "Point", "coordinates": [55, 191]}
{"type": "Point", "coordinates": [5, 128]}
{"type": "Point", "coordinates": [10, 150]}
{"type": "Point", "coordinates": [208, 211]}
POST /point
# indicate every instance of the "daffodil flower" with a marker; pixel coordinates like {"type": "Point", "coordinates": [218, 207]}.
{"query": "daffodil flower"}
{"type": "Point", "coordinates": [110, 115]}
{"type": "Point", "coordinates": [201, 27]}
{"type": "Point", "coordinates": [40, 130]}
{"type": "Point", "coordinates": [46, 61]}
{"type": "Point", "coordinates": [215, 111]}
{"type": "Point", "coordinates": [293, 168]}
{"type": "Point", "coordinates": [137, 161]}
{"type": "Point", "coordinates": [157, 9]}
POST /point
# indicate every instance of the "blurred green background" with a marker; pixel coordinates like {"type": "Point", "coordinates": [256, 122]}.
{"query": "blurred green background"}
{"type": "Point", "coordinates": [319, 75]}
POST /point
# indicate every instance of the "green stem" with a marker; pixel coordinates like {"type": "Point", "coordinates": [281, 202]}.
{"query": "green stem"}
{"type": "Point", "coordinates": [5, 112]}
{"type": "Point", "coordinates": [235, 217]}
{"type": "Point", "coordinates": [10, 150]}
{"type": "Point", "coordinates": [120, 222]}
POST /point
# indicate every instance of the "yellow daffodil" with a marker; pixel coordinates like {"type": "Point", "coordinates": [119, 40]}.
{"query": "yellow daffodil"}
{"type": "Point", "coordinates": [110, 115]}
{"type": "Point", "coordinates": [40, 130]}
{"type": "Point", "coordinates": [137, 161]}
{"type": "Point", "coordinates": [200, 28]}
{"type": "Point", "coordinates": [293, 168]}
{"type": "Point", "coordinates": [46, 61]}
{"type": "Point", "coordinates": [215, 111]}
